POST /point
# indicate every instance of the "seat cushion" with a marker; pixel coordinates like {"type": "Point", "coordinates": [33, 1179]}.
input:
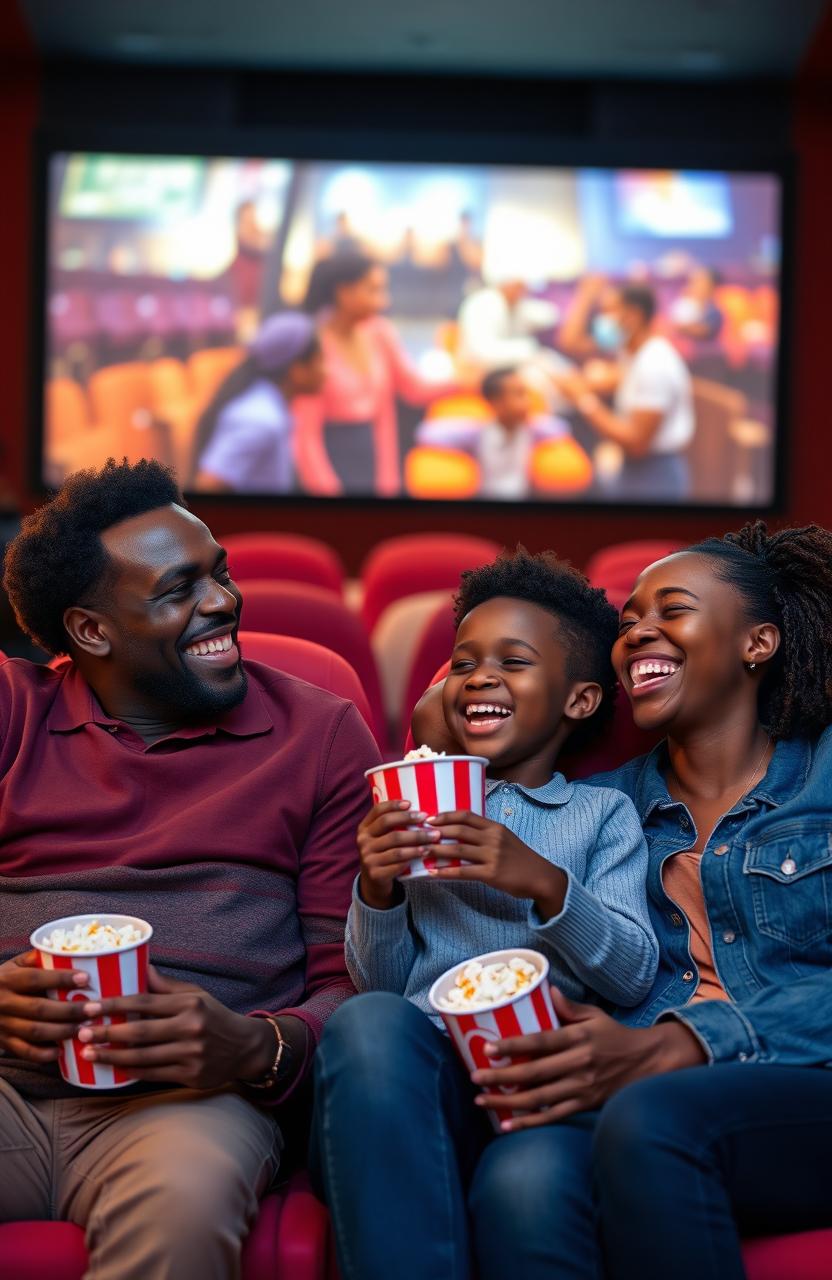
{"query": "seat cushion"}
{"type": "Point", "coordinates": [289, 1241]}
{"type": "Point", "coordinates": [807, 1255]}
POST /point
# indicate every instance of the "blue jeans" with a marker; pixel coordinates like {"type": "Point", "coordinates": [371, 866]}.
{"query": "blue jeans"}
{"type": "Point", "coordinates": [420, 1188]}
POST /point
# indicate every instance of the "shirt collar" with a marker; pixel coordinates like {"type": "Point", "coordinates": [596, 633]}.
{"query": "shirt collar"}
{"type": "Point", "coordinates": [556, 791]}
{"type": "Point", "coordinates": [76, 705]}
{"type": "Point", "coordinates": [784, 777]}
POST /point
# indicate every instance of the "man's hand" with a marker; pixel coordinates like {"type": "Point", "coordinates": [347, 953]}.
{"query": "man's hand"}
{"type": "Point", "coordinates": [572, 384]}
{"type": "Point", "coordinates": [499, 858]}
{"type": "Point", "coordinates": [579, 1066]}
{"type": "Point", "coordinates": [31, 1024]}
{"type": "Point", "coordinates": [385, 846]}
{"type": "Point", "coordinates": [182, 1035]}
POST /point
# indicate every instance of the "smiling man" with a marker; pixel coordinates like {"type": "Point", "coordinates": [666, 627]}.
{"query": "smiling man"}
{"type": "Point", "coordinates": [160, 775]}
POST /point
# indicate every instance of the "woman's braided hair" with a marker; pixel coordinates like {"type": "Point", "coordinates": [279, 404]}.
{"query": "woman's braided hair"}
{"type": "Point", "coordinates": [786, 578]}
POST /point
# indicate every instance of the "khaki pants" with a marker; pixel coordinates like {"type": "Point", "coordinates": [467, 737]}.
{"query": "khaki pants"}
{"type": "Point", "coordinates": [164, 1185]}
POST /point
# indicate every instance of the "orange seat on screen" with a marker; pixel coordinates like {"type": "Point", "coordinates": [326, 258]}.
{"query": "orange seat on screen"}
{"type": "Point", "coordinates": [560, 466]}
{"type": "Point", "coordinates": [440, 473]}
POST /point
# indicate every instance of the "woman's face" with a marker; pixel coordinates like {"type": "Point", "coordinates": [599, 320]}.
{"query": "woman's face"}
{"type": "Point", "coordinates": [365, 297]}
{"type": "Point", "coordinates": [683, 645]}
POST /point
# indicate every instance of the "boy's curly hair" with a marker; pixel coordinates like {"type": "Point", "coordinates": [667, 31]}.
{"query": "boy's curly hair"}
{"type": "Point", "coordinates": [58, 560]}
{"type": "Point", "coordinates": [588, 620]}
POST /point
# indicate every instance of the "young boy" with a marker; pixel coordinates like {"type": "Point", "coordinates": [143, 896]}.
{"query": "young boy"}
{"type": "Point", "coordinates": [555, 866]}
{"type": "Point", "coordinates": [503, 447]}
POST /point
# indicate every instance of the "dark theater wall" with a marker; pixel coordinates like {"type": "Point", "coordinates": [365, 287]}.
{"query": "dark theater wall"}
{"type": "Point", "coordinates": [689, 115]}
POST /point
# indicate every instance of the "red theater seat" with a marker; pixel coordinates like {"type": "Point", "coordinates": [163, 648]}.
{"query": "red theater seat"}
{"type": "Point", "coordinates": [289, 557]}
{"type": "Point", "coordinates": [433, 649]}
{"type": "Point", "coordinates": [312, 613]}
{"type": "Point", "coordinates": [418, 562]}
{"type": "Point", "coordinates": [289, 1241]}
{"type": "Point", "coordinates": [308, 661]}
{"type": "Point", "coordinates": [806, 1255]}
{"type": "Point", "coordinates": [616, 568]}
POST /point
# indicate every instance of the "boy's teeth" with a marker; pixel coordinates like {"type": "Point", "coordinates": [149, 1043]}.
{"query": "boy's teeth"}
{"type": "Point", "coordinates": [486, 708]}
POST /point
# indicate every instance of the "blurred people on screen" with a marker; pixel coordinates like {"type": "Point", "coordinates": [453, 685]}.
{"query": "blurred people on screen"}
{"type": "Point", "coordinates": [651, 420]}
{"type": "Point", "coordinates": [500, 324]}
{"type": "Point", "coordinates": [347, 438]}
{"type": "Point", "coordinates": [503, 447]}
{"type": "Point", "coordinates": [695, 313]}
{"type": "Point", "coordinates": [246, 267]}
{"type": "Point", "coordinates": [244, 439]}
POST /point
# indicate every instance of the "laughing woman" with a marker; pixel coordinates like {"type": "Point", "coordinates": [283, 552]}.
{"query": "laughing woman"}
{"type": "Point", "coordinates": [709, 1117]}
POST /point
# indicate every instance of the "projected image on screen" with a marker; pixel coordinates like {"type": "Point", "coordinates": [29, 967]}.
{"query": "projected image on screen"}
{"type": "Point", "coordinates": [333, 329]}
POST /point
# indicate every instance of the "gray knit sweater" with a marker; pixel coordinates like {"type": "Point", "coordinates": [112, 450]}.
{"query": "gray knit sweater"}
{"type": "Point", "coordinates": [601, 943]}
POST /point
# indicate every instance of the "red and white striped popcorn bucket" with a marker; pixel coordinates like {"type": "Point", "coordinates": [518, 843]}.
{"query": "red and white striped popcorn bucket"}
{"type": "Point", "coordinates": [438, 785]}
{"type": "Point", "coordinates": [529, 1011]}
{"type": "Point", "coordinates": [121, 972]}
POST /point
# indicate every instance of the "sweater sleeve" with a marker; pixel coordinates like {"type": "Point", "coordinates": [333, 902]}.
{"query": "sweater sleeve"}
{"type": "Point", "coordinates": [327, 866]}
{"type": "Point", "coordinates": [603, 931]}
{"type": "Point", "coordinates": [380, 948]}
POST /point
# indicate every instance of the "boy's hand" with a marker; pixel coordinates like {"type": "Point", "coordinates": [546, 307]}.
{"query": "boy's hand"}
{"type": "Point", "coordinates": [500, 859]}
{"type": "Point", "coordinates": [385, 846]}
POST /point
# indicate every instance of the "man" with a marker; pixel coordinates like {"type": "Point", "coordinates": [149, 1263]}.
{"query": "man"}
{"type": "Point", "coordinates": [651, 419]}
{"type": "Point", "coordinates": [161, 776]}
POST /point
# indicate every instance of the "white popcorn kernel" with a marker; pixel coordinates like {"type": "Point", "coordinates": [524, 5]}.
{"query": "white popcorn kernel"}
{"type": "Point", "coordinates": [479, 986]}
{"type": "Point", "coordinates": [423, 753]}
{"type": "Point", "coordinates": [92, 936]}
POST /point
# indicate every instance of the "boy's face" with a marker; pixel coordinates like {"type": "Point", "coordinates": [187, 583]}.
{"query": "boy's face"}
{"type": "Point", "coordinates": [513, 405]}
{"type": "Point", "coordinates": [508, 696]}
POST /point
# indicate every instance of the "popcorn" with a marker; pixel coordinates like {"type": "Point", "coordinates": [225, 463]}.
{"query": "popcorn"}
{"type": "Point", "coordinates": [479, 986]}
{"type": "Point", "coordinates": [423, 753]}
{"type": "Point", "coordinates": [92, 937]}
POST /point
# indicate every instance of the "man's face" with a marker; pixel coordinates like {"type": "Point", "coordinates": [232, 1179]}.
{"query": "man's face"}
{"type": "Point", "coordinates": [172, 614]}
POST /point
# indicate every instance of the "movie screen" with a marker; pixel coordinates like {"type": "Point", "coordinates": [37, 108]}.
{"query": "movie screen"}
{"type": "Point", "coordinates": [295, 329]}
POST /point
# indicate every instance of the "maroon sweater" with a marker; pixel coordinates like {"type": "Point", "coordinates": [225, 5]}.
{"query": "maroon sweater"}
{"type": "Point", "coordinates": [236, 840]}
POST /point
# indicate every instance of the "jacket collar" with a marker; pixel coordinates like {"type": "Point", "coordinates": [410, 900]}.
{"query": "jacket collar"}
{"type": "Point", "coordinates": [556, 791]}
{"type": "Point", "coordinates": [76, 705]}
{"type": "Point", "coordinates": [785, 776]}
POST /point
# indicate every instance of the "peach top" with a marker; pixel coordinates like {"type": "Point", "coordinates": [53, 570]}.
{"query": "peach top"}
{"type": "Point", "coordinates": [350, 395]}
{"type": "Point", "coordinates": [680, 880]}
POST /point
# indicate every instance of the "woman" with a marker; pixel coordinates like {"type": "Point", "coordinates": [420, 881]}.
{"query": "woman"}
{"type": "Point", "coordinates": [347, 437]}
{"type": "Point", "coordinates": [244, 436]}
{"type": "Point", "coordinates": [710, 1117]}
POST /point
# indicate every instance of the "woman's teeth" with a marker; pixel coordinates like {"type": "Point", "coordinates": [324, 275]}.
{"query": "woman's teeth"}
{"type": "Point", "coordinates": [645, 672]}
{"type": "Point", "coordinates": [203, 647]}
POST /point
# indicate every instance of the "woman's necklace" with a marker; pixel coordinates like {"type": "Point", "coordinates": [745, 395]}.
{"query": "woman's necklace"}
{"type": "Point", "coordinates": [746, 786]}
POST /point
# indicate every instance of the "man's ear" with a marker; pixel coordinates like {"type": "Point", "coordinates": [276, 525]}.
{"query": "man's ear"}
{"type": "Point", "coordinates": [762, 642]}
{"type": "Point", "coordinates": [88, 630]}
{"type": "Point", "coordinates": [583, 700]}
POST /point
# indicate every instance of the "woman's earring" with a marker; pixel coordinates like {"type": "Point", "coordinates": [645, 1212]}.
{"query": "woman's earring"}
{"type": "Point", "coordinates": [751, 666]}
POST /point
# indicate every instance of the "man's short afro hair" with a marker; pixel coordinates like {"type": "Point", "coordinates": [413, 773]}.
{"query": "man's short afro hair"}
{"type": "Point", "coordinates": [587, 619]}
{"type": "Point", "coordinates": [58, 560]}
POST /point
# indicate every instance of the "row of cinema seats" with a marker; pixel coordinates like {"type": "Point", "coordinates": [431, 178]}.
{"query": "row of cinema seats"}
{"type": "Point", "coordinates": [136, 409]}
{"type": "Point", "coordinates": [394, 625]}
{"type": "Point", "coordinates": [292, 1237]}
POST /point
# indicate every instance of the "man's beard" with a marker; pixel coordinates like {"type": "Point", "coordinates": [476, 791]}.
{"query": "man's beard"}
{"type": "Point", "coordinates": [188, 696]}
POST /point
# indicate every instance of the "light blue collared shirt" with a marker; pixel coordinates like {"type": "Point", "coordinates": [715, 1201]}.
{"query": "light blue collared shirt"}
{"type": "Point", "coordinates": [600, 943]}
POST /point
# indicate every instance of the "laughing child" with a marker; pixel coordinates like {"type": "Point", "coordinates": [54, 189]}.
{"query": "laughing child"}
{"type": "Point", "coordinates": [556, 866]}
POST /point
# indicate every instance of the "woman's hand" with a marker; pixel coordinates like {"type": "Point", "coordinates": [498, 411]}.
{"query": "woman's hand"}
{"type": "Point", "coordinates": [500, 859]}
{"type": "Point", "coordinates": [385, 846]}
{"type": "Point", "coordinates": [579, 1066]}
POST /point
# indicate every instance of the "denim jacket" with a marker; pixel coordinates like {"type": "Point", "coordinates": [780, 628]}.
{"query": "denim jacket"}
{"type": "Point", "coordinates": [766, 873]}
